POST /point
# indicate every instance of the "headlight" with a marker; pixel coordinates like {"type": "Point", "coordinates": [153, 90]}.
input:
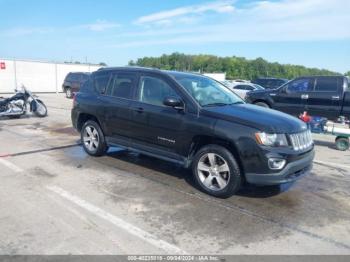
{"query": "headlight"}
{"type": "Point", "coordinates": [271, 139]}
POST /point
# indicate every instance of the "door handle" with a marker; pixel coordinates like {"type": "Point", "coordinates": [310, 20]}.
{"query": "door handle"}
{"type": "Point", "coordinates": [139, 109]}
{"type": "Point", "coordinates": [305, 96]}
{"type": "Point", "coordinates": [335, 97]}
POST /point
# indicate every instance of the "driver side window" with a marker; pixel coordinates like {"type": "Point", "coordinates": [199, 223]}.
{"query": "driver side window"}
{"type": "Point", "coordinates": [153, 90]}
{"type": "Point", "coordinates": [300, 86]}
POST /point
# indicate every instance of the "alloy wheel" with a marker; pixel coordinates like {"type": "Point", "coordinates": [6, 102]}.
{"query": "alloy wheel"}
{"type": "Point", "coordinates": [213, 171]}
{"type": "Point", "coordinates": [91, 138]}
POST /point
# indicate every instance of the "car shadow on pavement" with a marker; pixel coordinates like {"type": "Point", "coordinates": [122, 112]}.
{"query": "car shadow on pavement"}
{"type": "Point", "coordinates": [15, 118]}
{"type": "Point", "coordinates": [150, 167]}
{"type": "Point", "coordinates": [147, 164]}
{"type": "Point", "coordinates": [328, 144]}
{"type": "Point", "coordinates": [253, 191]}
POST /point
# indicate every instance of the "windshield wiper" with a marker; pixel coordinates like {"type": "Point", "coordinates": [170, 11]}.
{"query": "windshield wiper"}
{"type": "Point", "coordinates": [224, 104]}
{"type": "Point", "coordinates": [217, 104]}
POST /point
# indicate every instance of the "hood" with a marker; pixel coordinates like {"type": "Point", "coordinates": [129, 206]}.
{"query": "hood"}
{"type": "Point", "coordinates": [263, 119]}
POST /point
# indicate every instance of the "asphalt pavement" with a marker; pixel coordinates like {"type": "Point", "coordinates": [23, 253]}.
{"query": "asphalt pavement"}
{"type": "Point", "coordinates": [55, 199]}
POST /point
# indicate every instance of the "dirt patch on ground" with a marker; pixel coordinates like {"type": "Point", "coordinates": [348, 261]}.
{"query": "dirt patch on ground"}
{"type": "Point", "coordinates": [65, 130]}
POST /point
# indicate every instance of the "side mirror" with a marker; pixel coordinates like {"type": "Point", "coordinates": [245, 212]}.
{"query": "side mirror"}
{"type": "Point", "coordinates": [174, 102]}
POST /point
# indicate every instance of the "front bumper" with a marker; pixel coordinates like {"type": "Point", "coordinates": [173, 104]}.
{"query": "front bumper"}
{"type": "Point", "coordinates": [291, 172]}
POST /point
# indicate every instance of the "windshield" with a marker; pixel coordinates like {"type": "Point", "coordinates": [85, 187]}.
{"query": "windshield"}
{"type": "Point", "coordinates": [206, 91]}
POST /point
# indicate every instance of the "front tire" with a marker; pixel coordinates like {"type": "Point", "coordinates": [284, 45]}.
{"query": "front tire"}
{"type": "Point", "coordinates": [40, 109]}
{"type": "Point", "coordinates": [216, 171]}
{"type": "Point", "coordinates": [93, 139]}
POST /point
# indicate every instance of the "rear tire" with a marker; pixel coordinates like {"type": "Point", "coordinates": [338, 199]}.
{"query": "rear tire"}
{"type": "Point", "coordinates": [93, 139]}
{"type": "Point", "coordinates": [342, 143]}
{"type": "Point", "coordinates": [262, 104]}
{"type": "Point", "coordinates": [216, 171]}
{"type": "Point", "coordinates": [69, 93]}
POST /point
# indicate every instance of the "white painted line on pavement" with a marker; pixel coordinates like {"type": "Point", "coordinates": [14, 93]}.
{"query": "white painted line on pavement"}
{"type": "Point", "coordinates": [11, 166]}
{"type": "Point", "coordinates": [151, 239]}
{"type": "Point", "coordinates": [335, 165]}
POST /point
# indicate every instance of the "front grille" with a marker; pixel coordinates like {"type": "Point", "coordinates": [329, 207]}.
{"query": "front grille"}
{"type": "Point", "coordinates": [301, 141]}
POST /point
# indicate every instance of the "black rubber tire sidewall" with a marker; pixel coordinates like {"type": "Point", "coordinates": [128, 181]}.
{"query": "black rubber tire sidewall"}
{"type": "Point", "coordinates": [36, 112]}
{"type": "Point", "coordinates": [15, 116]}
{"type": "Point", "coordinates": [339, 140]}
{"type": "Point", "coordinates": [235, 174]}
{"type": "Point", "coordinates": [262, 104]}
{"type": "Point", "coordinates": [71, 94]}
{"type": "Point", "coordinates": [102, 146]}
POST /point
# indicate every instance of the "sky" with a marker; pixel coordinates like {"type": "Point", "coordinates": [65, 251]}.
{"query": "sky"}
{"type": "Point", "coordinates": [313, 33]}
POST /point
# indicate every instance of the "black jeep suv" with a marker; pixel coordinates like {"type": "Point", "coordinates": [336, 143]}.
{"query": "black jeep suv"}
{"type": "Point", "coordinates": [194, 121]}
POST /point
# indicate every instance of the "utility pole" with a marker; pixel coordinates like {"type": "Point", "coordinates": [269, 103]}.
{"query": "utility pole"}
{"type": "Point", "coordinates": [56, 78]}
{"type": "Point", "coordinates": [15, 72]}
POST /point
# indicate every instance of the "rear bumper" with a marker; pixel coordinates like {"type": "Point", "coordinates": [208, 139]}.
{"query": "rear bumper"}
{"type": "Point", "coordinates": [291, 172]}
{"type": "Point", "coordinates": [73, 89]}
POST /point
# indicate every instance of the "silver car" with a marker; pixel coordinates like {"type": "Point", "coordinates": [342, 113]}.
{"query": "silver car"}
{"type": "Point", "coordinates": [242, 88]}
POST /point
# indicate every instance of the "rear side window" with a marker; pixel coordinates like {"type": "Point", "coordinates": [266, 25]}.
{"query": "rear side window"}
{"type": "Point", "coordinates": [121, 85]}
{"type": "Point", "coordinates": [153, 90]}
{"type": "Point", "coordinates": [84, 77]}
{"type": "Point", "coordinates": [69, 77]}
{"type": "Point", "coordinates": [87, 86]}
{"type": "Point", "coordinates": [301, 85]}
{"type": "Point", "coordinates": [74, 77]}
{"type": "Point", "coordinates": [326, 84]}
{"type": "Point", "coordinates": [101, 81]}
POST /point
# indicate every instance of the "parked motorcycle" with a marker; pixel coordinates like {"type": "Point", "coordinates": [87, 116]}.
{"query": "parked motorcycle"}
{"type": "Point", "coordinates": [16, 106]}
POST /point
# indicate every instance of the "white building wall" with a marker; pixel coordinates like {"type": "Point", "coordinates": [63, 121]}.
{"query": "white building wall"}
{"type": "Point", "coordinates": [216, 76]}
{"type": "Point", "coordinates": [37, 76]}
{"type": "Point", "coordinates": [7, 79]}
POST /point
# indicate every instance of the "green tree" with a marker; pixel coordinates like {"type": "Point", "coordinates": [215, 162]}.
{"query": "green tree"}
{"type": "Point", "coordinates": [235, 67]}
